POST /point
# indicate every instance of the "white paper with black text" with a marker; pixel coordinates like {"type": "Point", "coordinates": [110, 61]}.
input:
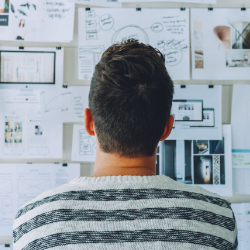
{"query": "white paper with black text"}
{"type": "Point", "coordinates": [83, 145]}
{"type": "Point", "coordinates": [38, 20]}
{"type": "Point", "coordinates": [197, 113]}
{"type": "Point", "coordinates": [21, 183]}
{"type": "Point", "coordinates": [164, 29]}
{"type": "Point", "coordinates": [220, 47]}
{"type": "Point", "coordinates": [64, 104]}
{"type": "Point", "coordinates": [22, 133]}
{"type": "Point", "coordinates": [242, 216]}
{"type": "Point", "coordinates": [207, 163]}
{"type": "Point", "coordinates": [176, 1]}
{"type": "Point", "coordinates": [103, 3]}
{"type": "Point", "coordinates": [240, 120]}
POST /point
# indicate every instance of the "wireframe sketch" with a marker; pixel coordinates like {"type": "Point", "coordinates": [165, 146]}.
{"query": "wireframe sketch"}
{"type": "Point", "coordinates": [166, 31]}
{"type": "Point", "coordinates": [6, 205]}
{"type": "Point", "coordinates": [87, 143]}
{"type": "Point", "coordinates": [6, 186]}
{"type": "Point", "coordinates": [33, 186]}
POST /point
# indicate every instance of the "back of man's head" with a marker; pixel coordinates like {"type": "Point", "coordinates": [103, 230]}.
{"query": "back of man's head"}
{"type": "Point", "coordinates": [130, 99]}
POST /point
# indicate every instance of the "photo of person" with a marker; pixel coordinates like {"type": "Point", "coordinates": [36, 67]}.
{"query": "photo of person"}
{"type": "Point", "coordinates": [18, 137]}
{"type": "Point", "coordinates": [203, 170]}
{"type": "Point", "coordinates": [18, 127]}
{"type": "Point", "coordinates": [21, 32]}
{"type": "Point", "coordinates": [8, 137]}
{"type": "Point", "coordinates": [38, 130]}
{"type": "Point", "coordinates": [8, 127]}
{"type": "Point", "coordinates": [4, 6]}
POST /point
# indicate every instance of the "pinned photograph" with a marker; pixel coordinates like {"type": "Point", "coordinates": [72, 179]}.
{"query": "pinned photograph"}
{"type": "Point", "coordinates": [240, 35]}
{"type": "Point", "coordinates": [8, 126]}
{"type": "Point", "coordinates": [200, 147]}
{"type": "Point", "coordinates": [203, 170]}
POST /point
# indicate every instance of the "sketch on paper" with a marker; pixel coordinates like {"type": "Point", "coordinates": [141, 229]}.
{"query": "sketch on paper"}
{"type": "Point", "coordinates": [87, 143]}
{"type": "Point", "coordinates": [83, 145]}
{"type": "Point", "coordinates": [33, 186]}
{"type": "Point", "coordinates": [166, 31]}
{"type": "Point", "coordinates": [64, 105]}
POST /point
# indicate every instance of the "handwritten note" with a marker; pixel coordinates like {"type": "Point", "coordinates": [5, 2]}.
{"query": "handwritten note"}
{"type": "Point", "coordinates": [166, 30]}
{"type": "Point", "coordinates": [241, 160]}
{"type": "Point", "coordinates": [57, 10]}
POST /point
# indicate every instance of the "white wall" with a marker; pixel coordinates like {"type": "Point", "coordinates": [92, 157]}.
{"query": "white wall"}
{"type": "Point", "coordinates": [70, 78]}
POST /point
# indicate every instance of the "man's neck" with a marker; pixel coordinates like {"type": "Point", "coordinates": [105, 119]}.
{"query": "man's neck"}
{"type": "Point", "coordinates": [114, 165]}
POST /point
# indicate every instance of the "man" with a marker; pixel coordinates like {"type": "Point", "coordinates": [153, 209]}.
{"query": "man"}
{"type": "Point", "coordinates": [124, 205]}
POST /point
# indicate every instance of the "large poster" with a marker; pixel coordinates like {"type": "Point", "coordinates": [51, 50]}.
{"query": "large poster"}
{"type": "Point", "coordinates": [164, 29]}
{"type": "Point", "coordinates": [220, 44]}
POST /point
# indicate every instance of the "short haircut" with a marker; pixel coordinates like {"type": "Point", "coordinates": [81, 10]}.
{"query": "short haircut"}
{"type": "Point", "coordinates": [130, 99]}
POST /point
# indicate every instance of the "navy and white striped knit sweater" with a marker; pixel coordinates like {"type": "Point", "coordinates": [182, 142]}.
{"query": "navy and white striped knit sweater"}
{"type": "Point", "coordinates": [126, 212]}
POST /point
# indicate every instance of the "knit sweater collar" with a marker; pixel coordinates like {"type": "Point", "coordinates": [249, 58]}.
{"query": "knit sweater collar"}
{"type": "Point", "coordinates": [119, 179]}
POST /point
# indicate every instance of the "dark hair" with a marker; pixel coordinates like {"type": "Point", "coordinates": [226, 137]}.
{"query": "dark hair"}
{"type": "Point", "coordinates": [21, 22]}
{"type": "Point", "coordinates": [130, 99]}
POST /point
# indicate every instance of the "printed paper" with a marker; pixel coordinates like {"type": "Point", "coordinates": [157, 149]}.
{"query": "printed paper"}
{"type": "Point", "coordinates": [242, 216]}
{"type": "Point", "coordinates": [207, 163]}
{"type": "Point", "coordinates": [64, 104]}
{"type": "Point", "coordinates": [22, 133]}
{"type": "Point", "coordinates": [197, 113]}
{"type": "Point", "coordinates": [220, 47]}
{"type": "Point", "coordinates": [104, 3]}
{"type": "Point", "coordinates": [83, 145]}
{"type": "Point", "coordinates": [164, 29]}
{"type": "Point", "coordinates": [21, 183]}
{"type": "Point", "coordinates": [240, 120]}
{"type": "Point", "coordinates": [38, 20]}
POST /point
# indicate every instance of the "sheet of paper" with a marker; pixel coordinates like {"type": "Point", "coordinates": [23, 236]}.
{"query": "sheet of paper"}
{"type": "Point", "coordinates": [164, 29]}
{"type": "Point", "coordinates": [240, 120]}
{"type": "Point", "coordinates": [38, 20]}
{"type": "Point", "coordinates": [22, 133]}
{"type": "Point", "coordinates": [207, 163]}
{"type": "Point", "coordinates": [83, 145]}
{"type": "Point", "coordinates": [41, 67]}
{"type": "Point", "coordinates": [181, 1]}
{"type": "Point", "coordinates": [20, 183]}
{"type": "Point", "coordinates": [6, 247]}
{"type": "Point", "coordinates": [242, 216]}
{"type": "Point", "coordinates": [197, 113]}
{"type": "Point", "coordinates": [220, 47]}
{"type": "Point", "coordinates": [104, 3]}
{"type": "Point", "coordinates": [64, 104]}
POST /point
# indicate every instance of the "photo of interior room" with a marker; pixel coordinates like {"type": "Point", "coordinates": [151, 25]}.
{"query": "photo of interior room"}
{"type": "Point", "coordinates": [238, 58]}
{"type": "Point", "coordinates": [240, 35]}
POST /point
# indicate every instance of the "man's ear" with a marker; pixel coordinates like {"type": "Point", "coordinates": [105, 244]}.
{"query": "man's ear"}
{"type": "Point", "coordinates": [88, 122]}
{"type": "Point", "coordinates": [168, 128]}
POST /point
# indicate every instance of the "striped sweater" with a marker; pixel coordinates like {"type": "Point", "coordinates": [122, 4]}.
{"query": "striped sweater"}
{"type": "Point", "coordinates": [126, 212]}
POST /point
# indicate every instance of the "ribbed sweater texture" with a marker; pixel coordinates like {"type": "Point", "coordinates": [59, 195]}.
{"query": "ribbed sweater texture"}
{"type": "Point", "coordinates": [123, 213]}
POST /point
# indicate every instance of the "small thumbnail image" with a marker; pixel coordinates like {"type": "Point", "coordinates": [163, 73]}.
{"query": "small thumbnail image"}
{"type": "Point", "coordinates": [8, 126]}
{"type": "Point", "coordinates": [189, 107]}
{"type": "Point", "coordinates": [238, 58]}
{"type": "Point", "coordinates": [18, 137]}
{"type": "Point", "coordinates": [38, 130]}
{"type": "Point", "coordinates": [8, 137]}
{"type": "Point", "coordinates": [217, 147]}
{"type": "Point", "coordinates": [4, 6]}
{"type": "Point", "coordinates": [203, 170]}
{"type": "Point", "coordinates": [181, 107]}
{"type": "Point", "coordinates": [205, 116]}
{"type": "Point", "coordinates": [18, 126]}
{"type": "Point", "coordinates": [200, 147]}
{"type": "Point", "coordinates": [241, 35]}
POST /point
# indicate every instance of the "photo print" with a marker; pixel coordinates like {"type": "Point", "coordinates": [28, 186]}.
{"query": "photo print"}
{"type": "Point", "coordinates": [199, 162]}
{"type": "Point", "coordinates": [221, 47]}
{"type": "Point", "coordinates": [197, 113]}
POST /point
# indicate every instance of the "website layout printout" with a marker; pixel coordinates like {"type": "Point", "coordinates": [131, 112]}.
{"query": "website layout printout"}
{"type": "Point", "coordinates": [27, 67]}
{"type": "Point", "coordinates": [187, 110]}
{"type": "Point", "coordinates": [197, 113]}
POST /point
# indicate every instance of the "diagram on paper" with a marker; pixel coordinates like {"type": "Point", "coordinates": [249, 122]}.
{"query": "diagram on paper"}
{"type": "Point", "coordinates": [166, 30]}
{"type": "Point", "coordinates": [6, 186]}
{"type": "Point", "coordinates": [87, 143]}
{"type": "Point", "coordinates": [64, 105]}
{"type": "Point", "coordinates": [33, 186]}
